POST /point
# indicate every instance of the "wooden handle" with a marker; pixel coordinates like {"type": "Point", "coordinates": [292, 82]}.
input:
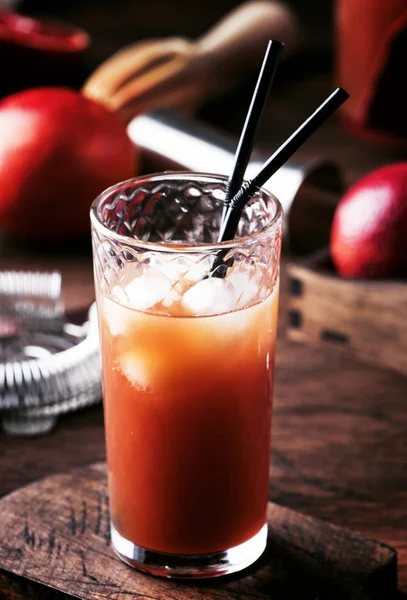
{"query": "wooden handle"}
{"type": "Point", "coordinates": [135, 69]}
{"type": "Point", "coordinates": [175, 73]}
{"type": "Point", "coordinates": [239, 41]}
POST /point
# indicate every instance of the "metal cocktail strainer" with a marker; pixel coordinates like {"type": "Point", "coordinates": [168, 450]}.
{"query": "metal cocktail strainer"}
{"type": "Point", "coordinates": [48, 366]}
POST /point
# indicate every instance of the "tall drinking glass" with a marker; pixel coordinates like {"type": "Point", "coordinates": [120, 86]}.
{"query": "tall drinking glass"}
{"type": "Point", "coordinates": [188, 360]}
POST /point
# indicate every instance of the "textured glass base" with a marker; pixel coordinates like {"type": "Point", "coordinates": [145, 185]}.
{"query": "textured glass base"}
{"type": "Point", "coordinates": [193, 565]}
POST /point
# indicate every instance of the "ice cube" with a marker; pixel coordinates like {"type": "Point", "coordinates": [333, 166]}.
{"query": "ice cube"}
{"type": "Point", "coordinates": [168, 265]}
{"type": "Point", "coordinates": [145, 291]}
{"type": "Point", "coordinates": [199, 270]}
{"type": "Point", "coordinates": [210, 296]}
{"type": "Point", "coordinates": [171, 298]}
{"type": "Point", "coordinates": [246, 282]}
{"type": "Point", "coordinates": [191, 267]}
{"type": "Point", "coordinates": [118, 319]}
{"type": "Point", "coordinates": [130, 271]}
{"type": "Point", "coordinates": [119, 295]}
{"type": "Point", "coordinates": [136, 371]}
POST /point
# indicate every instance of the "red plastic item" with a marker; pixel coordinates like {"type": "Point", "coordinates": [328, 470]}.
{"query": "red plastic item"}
{"type": "Point", "coordinates": [371, 54]}
{"type": "Point", "coordinates": [39, 52]}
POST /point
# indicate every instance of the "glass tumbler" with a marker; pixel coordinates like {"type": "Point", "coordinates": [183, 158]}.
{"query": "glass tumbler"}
{"type": "Point", "coordinates": [188, 329]}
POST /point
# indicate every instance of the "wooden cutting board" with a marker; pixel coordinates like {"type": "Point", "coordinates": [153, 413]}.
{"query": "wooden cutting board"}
{"type": "Point", "coordinates": [55, 544]}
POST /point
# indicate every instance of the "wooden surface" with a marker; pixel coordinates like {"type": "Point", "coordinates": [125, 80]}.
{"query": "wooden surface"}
{"type": "Point", "coordinates": [339, 445]}
{"type": "Point", "coordinates": [364, 319]}
{"type": "Point", "coordinates": [340, 427]}
{"type": "Point", "coordinates": [57, 533]}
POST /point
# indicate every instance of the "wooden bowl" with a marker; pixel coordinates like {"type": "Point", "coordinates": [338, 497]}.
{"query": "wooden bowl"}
{"type": "Point", "coordinates": [365, 319]}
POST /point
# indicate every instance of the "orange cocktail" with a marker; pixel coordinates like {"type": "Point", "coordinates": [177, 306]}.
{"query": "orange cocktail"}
{"type": "Point", "coordinates": [188, 363]}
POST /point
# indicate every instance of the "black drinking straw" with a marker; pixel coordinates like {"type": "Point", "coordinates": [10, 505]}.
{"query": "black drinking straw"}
{"type": "Point", "coordinates": [245, 145]}
{"type": "Point", "coordinates": [258, 101]}
{"type": "Point", "coordinates": [277, 160]}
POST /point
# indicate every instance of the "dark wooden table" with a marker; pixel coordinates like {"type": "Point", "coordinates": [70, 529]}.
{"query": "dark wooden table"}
{"type": "Point", "coordinates": [340, 427]}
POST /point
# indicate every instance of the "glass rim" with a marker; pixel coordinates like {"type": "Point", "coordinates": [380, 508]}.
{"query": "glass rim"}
{"type": "Point", "coordinates": [100, 227]}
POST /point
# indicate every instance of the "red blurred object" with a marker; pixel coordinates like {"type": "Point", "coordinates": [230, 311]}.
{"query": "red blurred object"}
{"type": "Point", "coordinates": [369, 230]}
{"type": "Point", "coordinates": [37, 52]}
{"type": "Point", "coordinates": [58, 151]}
{"type": "Point", "coordinates": [371, 56]}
